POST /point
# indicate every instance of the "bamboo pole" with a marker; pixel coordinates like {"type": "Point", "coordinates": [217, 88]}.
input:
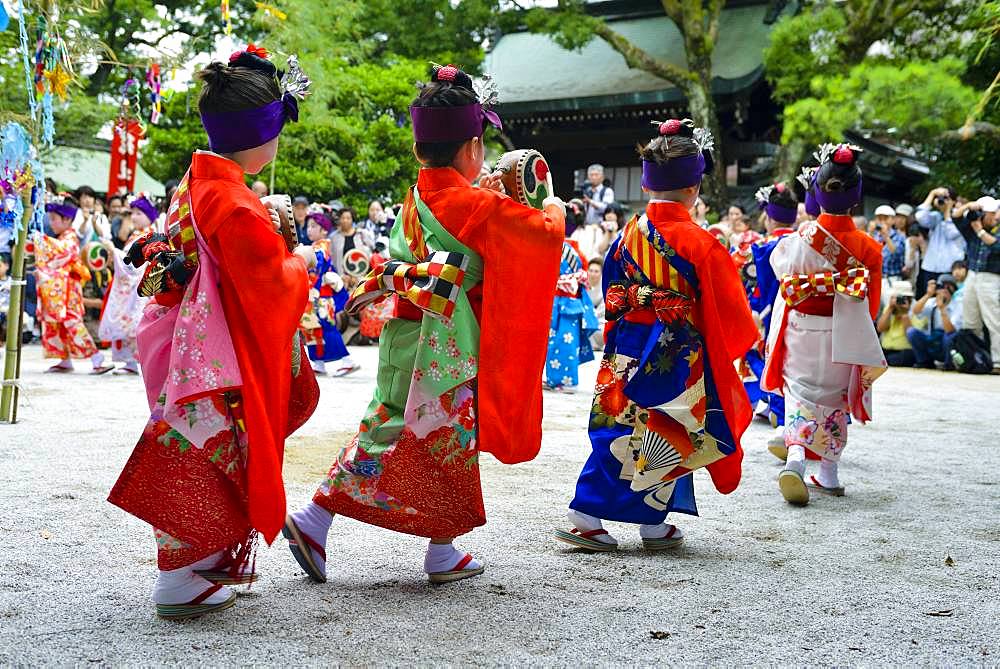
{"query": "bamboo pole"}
{"type": "Point", "coordinates": [15, 319]}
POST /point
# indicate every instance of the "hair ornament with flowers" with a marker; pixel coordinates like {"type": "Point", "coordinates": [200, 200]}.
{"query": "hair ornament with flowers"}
{"type": "Point", "coordinates": [763, 195]}
{"type": "Point", "coordinates": [824, 152]}
{"type": "Point", "coordinates": [805, 177]}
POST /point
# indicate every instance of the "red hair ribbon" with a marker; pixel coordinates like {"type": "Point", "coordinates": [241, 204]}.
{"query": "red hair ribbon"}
{"type": "Point", "coordinates": [258, 51]}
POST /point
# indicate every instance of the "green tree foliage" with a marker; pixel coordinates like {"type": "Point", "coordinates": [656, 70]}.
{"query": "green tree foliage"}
{"type": "Point", "coordinates": [915, 102]}
{"type": "Point", "coordinates": [904, 71]}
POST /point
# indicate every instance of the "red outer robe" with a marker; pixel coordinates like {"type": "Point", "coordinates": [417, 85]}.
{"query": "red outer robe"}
{"type": "Point", "coordinates": [722, 316]}
{"type": "Point", "coordinates": [520, 248]}
{"type": "Point", "coordinates": [264, 290]}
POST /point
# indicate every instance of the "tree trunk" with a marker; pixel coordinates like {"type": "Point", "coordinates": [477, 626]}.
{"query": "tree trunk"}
{"type": "Point", "coordinates": [790, 157]}
{"type": "Point", "coordinates": [98, 79]}
{"type": "Point", "coordinates": [703, 113]}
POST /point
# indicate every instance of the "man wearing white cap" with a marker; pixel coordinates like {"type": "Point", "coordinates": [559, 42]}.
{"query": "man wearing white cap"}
{"type": "Point", "coordinates": [977, 221]}
{"type": "Point", "coordinates": [893, 245]}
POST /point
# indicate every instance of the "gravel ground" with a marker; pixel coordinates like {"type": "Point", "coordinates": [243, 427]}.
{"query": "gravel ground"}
{"type": "Point", "coordinates": [904, 570]}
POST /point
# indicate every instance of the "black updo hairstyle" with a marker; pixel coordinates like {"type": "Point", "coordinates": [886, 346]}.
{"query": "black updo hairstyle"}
{"type": "Point", "coordinates": [457, 92]}
{"type": "Point", "coordinates": [678, 144]}
{"type": "Point", "coordinates": [247, 82]}
{"type": "Point", "coordinates": [784, 197]}
{"type": "Point", "coordinates": [840, 172]}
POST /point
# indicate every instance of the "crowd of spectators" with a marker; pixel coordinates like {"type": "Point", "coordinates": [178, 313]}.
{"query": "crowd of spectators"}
{"type": "Point", "coordinates": [941, 260]}
{"type": "Point", "coordinates": [109, 219]}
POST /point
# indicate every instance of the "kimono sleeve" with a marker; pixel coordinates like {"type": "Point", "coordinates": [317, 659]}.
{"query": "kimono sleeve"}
{"type": "Point", "coordinates": [264, 292]}
{"type": "Point", "coordinates": [723, 292]}
{"type": "Point", "coordinates": [521, 257]}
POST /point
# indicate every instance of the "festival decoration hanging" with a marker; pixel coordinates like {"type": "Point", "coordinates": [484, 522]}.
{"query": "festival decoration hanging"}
{"type": "Point", "coordinates": [155, 96]}
{"type": "Point", "coordinates": [227, 20]}
{"type": "Point", "coordinates": [271, 11]}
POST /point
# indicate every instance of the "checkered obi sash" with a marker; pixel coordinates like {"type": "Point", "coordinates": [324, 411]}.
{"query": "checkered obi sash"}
{"type": "Point", "coordinates": [852, 282]}
{"type": "Point", "coordinates": [668, 305]}
{"type": "Point", "coordinates": [432, 285]}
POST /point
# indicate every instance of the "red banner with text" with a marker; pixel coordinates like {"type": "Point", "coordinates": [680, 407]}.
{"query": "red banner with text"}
{"type": "Point", "coordinates": [124, 157]}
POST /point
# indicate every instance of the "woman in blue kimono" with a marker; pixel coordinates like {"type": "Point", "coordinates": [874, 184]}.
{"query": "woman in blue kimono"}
{"type": "Point", "coordinates": [327, 296]}
{"type": "Point", "coordinates": [573, 321]}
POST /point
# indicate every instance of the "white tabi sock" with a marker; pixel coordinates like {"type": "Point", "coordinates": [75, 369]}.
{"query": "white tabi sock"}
{"type": "Point", "coordinates": [180, 586]}
{"type": "Point", "coordinates": [97, 360]}
{"type": "Point", "coordinates": [796, 459]}
{"type": "Point", "coordinates": [314, 520]}
{"type": "Point", "coordinates": [132, 365]}
{"type": "Point", "coordinates": [659, 531]}
{"type": "Point", "coordinates": [445, 557]}
{"type": "Point", "coordinates": [587, 523]}
{"type": "Point", "coordinates": [318, 366]}
{"type": "Point", "coordinates": [828, 474]}
{"type": "Point", "coordinates": [64, 364]}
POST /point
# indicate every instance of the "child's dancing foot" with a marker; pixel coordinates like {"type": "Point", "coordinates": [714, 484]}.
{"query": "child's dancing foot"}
{"type": "Point", "coordinates": [306, 532]}
{"type": "Point", "coordinates": [588, 533]}
{"type": "Point", "coordinates": [443, 563]}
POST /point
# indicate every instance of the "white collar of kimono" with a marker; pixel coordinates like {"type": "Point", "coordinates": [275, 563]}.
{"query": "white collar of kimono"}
{"type": "Point", "coordinates": [655, 200]}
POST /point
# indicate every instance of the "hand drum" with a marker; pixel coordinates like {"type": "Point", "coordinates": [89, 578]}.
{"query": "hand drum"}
{"type": "Point", "coordinates": [525, 176]}
{"type": "Point", "coordinates": [95, 257]}
{"type": "Point", "coordinates": [357, 262]}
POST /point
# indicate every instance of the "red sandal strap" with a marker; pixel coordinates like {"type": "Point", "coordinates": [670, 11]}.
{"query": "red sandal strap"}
{"type": "Point", "coordinates": [815, 482]}
{"type": "Point", "coordinates": [312, 544]}
{"type": "Point", "coordinates": [463, 562]}
{"type": "Point", "coordinates": [588, 535]}
{"type": "Point", "coordinates": [205, 595]}
{"type": "Point", "coordinates": [672, 532]}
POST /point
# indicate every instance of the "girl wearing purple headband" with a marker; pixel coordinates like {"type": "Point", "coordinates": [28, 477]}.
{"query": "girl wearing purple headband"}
{"type": "Point", "coordinates": [224, 369]}
{"type": "Point", "coordinates": [668, 399]}
{"type": "Point", "coordinates": [824, 353]}
{"type": "Point", "coordinates": [124, 305]}
{"type": "Point", "coordinates": [780, 207]}
{"type": "Point", "coordinates": [472, 271]}
{"type": "Point", "coordinates": [61, 275]}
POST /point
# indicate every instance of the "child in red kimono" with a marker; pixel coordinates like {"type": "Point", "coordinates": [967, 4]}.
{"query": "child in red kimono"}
{"type": "Point", "coordinates": [447, 387]}
{"type": "Point", "coordinates": [824, 353]}
{"type": "Point", "coordinates": [61, 275]}
{"type": "Point", "coordinates": [668, 399]}
{"type": "Point", "coordinates": [226, 378]}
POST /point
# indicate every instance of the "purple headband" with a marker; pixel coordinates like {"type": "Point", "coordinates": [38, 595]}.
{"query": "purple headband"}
{"type": "Point", "coordinates": [781, 214]}
{"type": "Point", "coordinates": [451, 124]}
{"type": "Point", "coordinates": [229, 132]}
{"type": "Point", "coordinates": [838, 201]}
{"type": "Point", "coordinates": [146, 207]}
{"type": "Point", "coordinates": [812, 206]}
{"type": "Point", "coordinates": [64, 210]}
{"type": "Point", "coordinates": [321, 220]}
{"type": "Point", "coordinates": [674, 174]}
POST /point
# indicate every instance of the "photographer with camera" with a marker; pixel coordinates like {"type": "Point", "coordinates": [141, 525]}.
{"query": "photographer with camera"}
{"type": "Point", "coordinates": [979, 224]}
{"type": "Point", "coordinates": [883, 230]}
{"type": "Point", "coordinates": [597, 194]}
{"type": "Point", "coordinates": [945, 244]}
{"type": "Point", "coordinates": [936, 319]}
{"type": "Point", "coordinates": [893, 323]}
